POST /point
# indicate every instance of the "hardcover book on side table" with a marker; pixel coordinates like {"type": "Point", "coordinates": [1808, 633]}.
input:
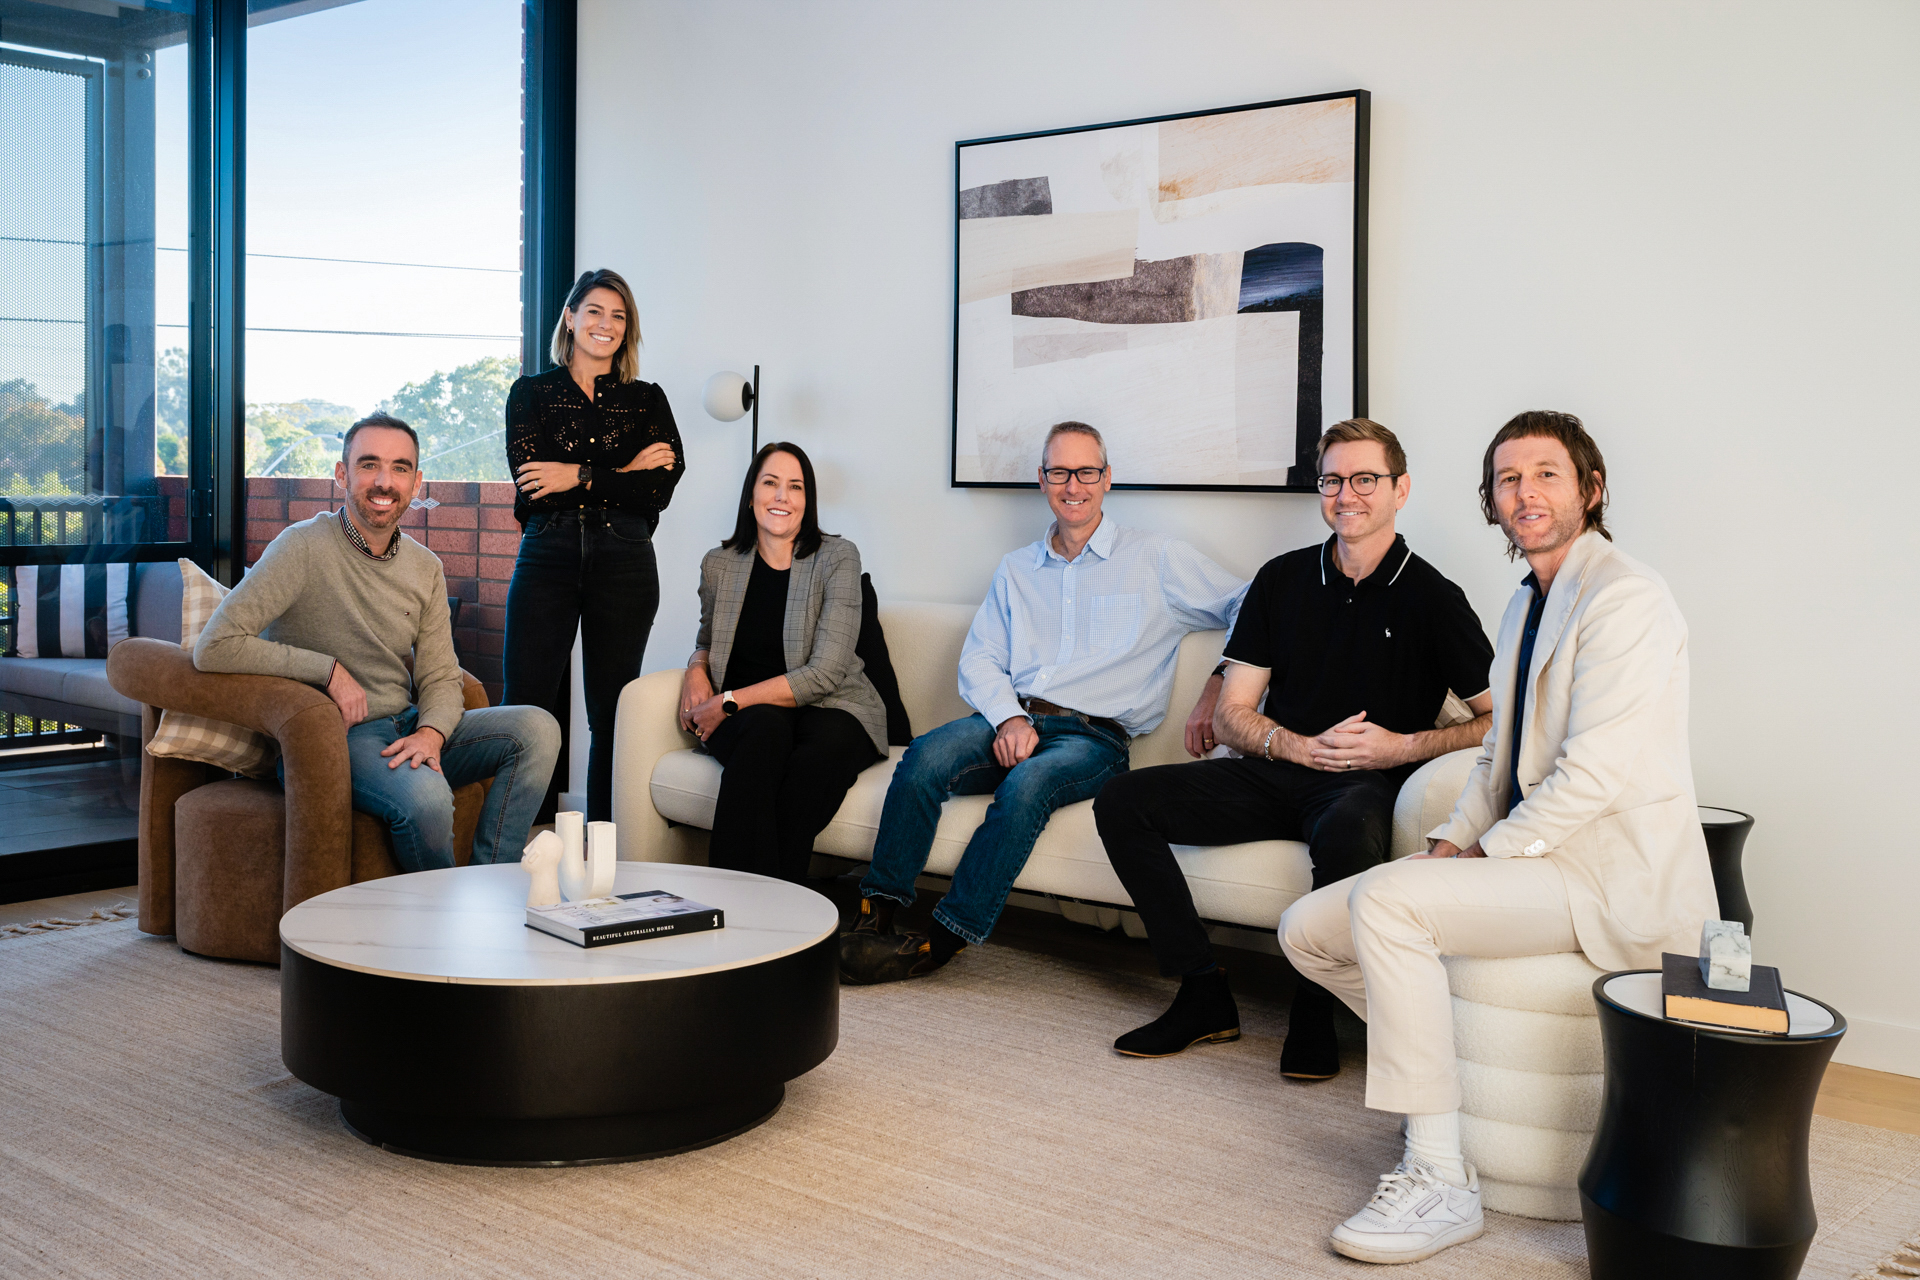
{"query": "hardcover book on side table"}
{"type": "Point", "coordinates": [626, 917]}
{"type": "Point", "coordinates": [1687, 998]}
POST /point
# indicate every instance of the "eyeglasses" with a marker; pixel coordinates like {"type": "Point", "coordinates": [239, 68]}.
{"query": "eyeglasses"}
{"type": "Point", "coordinates": [1361, 482]}
{"type": "Point", "coordinates": [1085, 475]}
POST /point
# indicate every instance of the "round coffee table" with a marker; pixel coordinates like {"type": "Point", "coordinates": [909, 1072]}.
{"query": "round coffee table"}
{"type": "Point", "coordinates": [1699, 1165]}
{"type": "Point", "coordinates": [451, 1031]}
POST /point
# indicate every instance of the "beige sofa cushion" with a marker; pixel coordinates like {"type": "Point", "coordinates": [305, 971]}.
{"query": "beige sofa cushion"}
{"type": "Point", "coordinates": [1244, 884]}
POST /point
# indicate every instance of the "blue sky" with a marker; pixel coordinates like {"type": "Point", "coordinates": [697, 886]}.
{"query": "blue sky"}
{"type": "Point", "coordinates": [383, 130]}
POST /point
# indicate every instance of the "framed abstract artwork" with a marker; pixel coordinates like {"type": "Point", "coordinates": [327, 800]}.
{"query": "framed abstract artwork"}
{"type": "Point", "coordinates": [1192, 285]}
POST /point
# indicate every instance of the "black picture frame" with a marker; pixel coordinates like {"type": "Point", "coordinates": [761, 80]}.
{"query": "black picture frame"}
{"type": "Point", "coordinates": [1298, 481]}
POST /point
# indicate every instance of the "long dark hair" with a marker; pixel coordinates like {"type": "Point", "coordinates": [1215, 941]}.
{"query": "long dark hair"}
{"type": "Point", "coordinates": [746, 531]}
{"type": "Point", "coordinates": [1589, 468]}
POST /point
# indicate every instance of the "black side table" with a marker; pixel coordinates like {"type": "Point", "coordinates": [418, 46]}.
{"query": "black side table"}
{"type": "Point", "coordinates": [1726, 831]}
{"type": "Point", "coordinates": [1699, 1165]}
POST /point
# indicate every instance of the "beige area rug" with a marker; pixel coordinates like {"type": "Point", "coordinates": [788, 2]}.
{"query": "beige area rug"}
{"type": "Point", "coordinates": [973, 1124]}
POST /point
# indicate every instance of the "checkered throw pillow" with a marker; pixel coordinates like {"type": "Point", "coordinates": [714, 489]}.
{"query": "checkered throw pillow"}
{"type": "Point", "coordinates": [214, 742]}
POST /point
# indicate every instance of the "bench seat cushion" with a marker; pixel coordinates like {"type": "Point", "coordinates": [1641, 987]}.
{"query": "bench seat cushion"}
{"type": "Point", "coordinates": [1243, 884]}
{"type": "Point", "coordinates": [41, 677]}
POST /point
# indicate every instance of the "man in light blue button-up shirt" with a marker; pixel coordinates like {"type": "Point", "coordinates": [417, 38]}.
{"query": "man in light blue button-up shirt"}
{"type": "Point", "coordinates": [1070, 657]}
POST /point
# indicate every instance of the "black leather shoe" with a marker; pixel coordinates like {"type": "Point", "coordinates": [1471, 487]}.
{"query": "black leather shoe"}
{"type": "Point", "coordinates": [869, 958]}
{"type": "Point", "coordinates": [1312, 1051]}
{"type": "Point", "coordinates": [876, 917]}
{"type": "Point", "coordinates": [1202, 1012]}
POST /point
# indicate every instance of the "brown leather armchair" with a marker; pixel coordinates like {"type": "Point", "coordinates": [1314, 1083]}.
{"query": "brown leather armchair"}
{"type": "Point", "coordinates": [223, 858]}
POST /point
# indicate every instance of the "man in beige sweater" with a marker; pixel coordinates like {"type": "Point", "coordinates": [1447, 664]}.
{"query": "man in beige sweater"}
{"type": "Point", "coordinates": [1576, 831]}
{"type": "Point", "coordinates": [348, 603]}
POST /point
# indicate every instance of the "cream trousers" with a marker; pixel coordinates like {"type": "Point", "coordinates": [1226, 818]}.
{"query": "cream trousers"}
{"type": "Point", "coordinates": [1375, 940]}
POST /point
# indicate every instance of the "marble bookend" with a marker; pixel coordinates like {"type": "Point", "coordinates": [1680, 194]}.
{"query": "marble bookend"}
{"type": "Point", "coordinates": [1726, 956]}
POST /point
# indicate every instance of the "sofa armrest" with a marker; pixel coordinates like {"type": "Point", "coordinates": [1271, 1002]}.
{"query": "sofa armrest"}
{"type": "Point", "coordinates": [302, 719]}
{"type": "Point", "coordinates": [646, 728]}
{"type": "Point", "coordinates": [1427, 798]}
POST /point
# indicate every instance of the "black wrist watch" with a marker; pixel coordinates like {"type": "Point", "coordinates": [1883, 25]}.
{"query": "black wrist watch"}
{"type": "Point", "coordinates": [1220, 670]}
{"type": "Point", "coordinates": [586, 474]}
{"type": "Point", "coordinates": [727, 705]}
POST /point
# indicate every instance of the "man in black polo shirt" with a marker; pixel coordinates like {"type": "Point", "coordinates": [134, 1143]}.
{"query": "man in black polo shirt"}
{"type": "Point", "coordinates": [1355, 644]}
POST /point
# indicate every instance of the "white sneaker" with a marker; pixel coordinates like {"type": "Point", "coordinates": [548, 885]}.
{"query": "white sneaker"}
{"type": "Point", "coordinates": [1414, 1214]}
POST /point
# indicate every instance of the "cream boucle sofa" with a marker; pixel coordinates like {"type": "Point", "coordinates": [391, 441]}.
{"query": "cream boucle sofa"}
{"type": "Point", "coordinates": [1527, 1034]}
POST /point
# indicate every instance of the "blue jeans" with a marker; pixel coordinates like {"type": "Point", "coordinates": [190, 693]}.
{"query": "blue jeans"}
{"type": "Point", "coordinates": [1072, 762]}
{"type": "Point", "coordinates": [515, 746]}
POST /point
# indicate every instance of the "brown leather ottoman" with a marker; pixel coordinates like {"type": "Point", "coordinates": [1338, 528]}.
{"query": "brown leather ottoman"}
{"type": "Point", "coordinates": [230, 850]}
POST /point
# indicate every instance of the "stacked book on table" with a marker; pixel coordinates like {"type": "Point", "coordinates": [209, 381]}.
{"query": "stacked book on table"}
{"type": "Point", "coordinates": [1762, 1007]}
{"type": "Point", "coordinates": [625, 917]}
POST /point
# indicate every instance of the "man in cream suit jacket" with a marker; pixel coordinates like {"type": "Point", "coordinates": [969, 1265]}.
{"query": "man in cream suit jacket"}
{"type": "Point", "coordinates": [1577, 830]}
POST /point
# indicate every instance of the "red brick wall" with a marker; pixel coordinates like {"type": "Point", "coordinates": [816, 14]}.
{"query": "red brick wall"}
{"type": "Point", "coordinates": [472, 530]}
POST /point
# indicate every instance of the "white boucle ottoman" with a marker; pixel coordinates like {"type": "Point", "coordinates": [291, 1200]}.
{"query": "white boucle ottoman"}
{"type": "Point", "coordinates": [1527, 1038]}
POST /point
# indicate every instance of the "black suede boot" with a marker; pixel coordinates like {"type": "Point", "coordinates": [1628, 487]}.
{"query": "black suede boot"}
{"type": "Point", "coordinates": [1312, 1051]}
{"type": "Point", "coordinates": [876, 916]}
{"type": "Point", "coordinates": [1202, 1011]}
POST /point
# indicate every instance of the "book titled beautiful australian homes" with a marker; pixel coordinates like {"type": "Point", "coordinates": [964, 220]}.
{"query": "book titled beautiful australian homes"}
{"type": "Point", "coordinates": [626, 917]}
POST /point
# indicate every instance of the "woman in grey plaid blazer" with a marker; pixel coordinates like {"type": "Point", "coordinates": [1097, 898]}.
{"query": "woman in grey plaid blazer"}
{"type": "Point", "coordinates": [774, 688]}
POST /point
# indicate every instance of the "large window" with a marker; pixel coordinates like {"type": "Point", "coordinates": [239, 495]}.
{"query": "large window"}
{"type": "Point", "coordinates": [383, 229]}
{"type": "Point", "coordinates": [227, 229]}
{"type": "Point", "coordinates": [92, 183]}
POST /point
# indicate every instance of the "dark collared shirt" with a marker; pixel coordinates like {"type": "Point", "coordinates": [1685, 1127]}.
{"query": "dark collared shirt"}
{"type": "Point", "coordinates": [549, 419]}
{"type": "Point", "coordinates": [1531, 633]}
{"type": "Point", "coordinates": [1390, 645]}
{"type": "Point", "coordinates": [353, 536]}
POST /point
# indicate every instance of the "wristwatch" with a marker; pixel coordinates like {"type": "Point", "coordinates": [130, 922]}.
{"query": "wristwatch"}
{"type": "Point", "coordinates": [586, 474]}
{"type": "Point", "coordinates": [727, 705]}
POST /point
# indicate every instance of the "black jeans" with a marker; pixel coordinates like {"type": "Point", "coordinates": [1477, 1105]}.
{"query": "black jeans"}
{"type": "Point", "coordinates": [592, 572]}
{"type": "Point", "coordinates": [786, 770]}
{"type": "Point", "coordinates": [1345, 818]}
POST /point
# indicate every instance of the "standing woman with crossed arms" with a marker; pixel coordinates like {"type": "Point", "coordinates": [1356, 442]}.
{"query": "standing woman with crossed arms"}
{"type": "Point", "coordinates": [595, 455]}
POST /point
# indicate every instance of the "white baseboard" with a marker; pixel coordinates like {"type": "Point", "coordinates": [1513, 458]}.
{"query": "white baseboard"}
{"type": "Point", "coordinates": [1880, 1046]}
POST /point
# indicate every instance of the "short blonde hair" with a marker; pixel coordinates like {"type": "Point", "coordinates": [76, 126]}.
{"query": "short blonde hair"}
{"type": "Point", "coordinates": [626, 365]}
{"type": "Point", "coordinates": [1354, 430]}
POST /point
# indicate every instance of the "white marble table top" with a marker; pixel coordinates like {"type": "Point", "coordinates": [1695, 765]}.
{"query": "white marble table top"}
{"type": "Point", "coordinates": [468, 924]}
{"type": "Point", "coordinates": [1640, 992]}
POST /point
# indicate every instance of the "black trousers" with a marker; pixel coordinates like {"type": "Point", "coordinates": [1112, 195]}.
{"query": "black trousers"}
{"type": "Point", "coordinates": [593, 573]}
{"type": "Point", "coordinates": [1345, 818]}
{"type": "Point", "coordinates": [786, 770]}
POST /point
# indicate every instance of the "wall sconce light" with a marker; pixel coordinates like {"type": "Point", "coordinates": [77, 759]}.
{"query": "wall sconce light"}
{"type": "Point", "coordinates": [729, 396]}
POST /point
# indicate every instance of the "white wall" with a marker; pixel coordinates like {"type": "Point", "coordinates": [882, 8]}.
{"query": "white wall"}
{"type": "Point", "coordinates": [1691, 223]}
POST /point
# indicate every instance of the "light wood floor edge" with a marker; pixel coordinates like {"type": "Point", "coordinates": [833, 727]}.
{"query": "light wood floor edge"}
{"type": "Point", "coordinates": [1877, 1098]}
{"type": "Point", "coordinates": [1854, 1094]}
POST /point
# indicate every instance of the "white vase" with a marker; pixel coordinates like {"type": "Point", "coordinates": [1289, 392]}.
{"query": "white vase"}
{"type": "Point", "coordinates": [571, 827]}
{"type": "Point", "coordinates": [602, 852]}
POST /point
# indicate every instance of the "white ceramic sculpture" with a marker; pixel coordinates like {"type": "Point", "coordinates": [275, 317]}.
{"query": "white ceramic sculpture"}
{"type": "Point", "coordinates": [1726, 956]}
{"type": "Point", "coordinates": [542, 861]}
{"type": "Point", "coordinates": [586, 868]}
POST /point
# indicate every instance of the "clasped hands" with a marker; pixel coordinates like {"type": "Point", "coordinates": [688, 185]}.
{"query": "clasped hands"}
{"type": "Point", "coordinates": [422, 746]}
{"type": "Point", "coordinates": [700, 709]}
{"type": "Point", "coordinates": [539, 479]}
{"type": "Point", "coordinates": [1356, 743]}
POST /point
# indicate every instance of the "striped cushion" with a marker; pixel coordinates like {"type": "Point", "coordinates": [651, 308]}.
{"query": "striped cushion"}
{"type": "Point", "coordinates": [69, 611]}
{"type": "Point", "coordinates": [232, 747]}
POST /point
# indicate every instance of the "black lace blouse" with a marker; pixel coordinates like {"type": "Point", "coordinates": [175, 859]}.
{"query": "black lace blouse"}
{"type": "Point", "coordinates": [549, 419]}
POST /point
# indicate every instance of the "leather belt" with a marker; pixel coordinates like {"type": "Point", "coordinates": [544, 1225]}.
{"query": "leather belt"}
{"type": "Point", "coordinates": [1041, 707]}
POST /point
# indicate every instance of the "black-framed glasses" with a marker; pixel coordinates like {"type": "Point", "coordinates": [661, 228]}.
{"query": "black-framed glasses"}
{"type": "Point", "coordinates": [1361, 482]}
{"type": "Point", "coordinates": [1059, 475]}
